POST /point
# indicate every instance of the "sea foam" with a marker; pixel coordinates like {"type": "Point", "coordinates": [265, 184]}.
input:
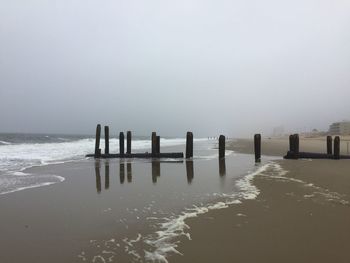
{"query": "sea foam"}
{"type": "Point", "coordinates": [165, 240]}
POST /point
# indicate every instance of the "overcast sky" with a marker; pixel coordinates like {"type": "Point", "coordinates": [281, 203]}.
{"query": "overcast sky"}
{"type": "Point", "coordinates": [211, 66]}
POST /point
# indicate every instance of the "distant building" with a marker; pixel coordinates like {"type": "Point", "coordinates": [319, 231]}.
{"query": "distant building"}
{"type": "Point", "coordinates": [340, 128]}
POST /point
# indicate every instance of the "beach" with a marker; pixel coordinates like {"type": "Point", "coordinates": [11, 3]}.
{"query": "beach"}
{"type": "Point", "coordinates": [118, 210]}
{"type": "Point", "coordinates": [202, 210]}
{"type": "Point", "coordinates": [300, 215]}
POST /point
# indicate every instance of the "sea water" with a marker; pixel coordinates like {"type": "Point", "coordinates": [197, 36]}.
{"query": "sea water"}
{"type": "Point", "coordinates": [21, 151]}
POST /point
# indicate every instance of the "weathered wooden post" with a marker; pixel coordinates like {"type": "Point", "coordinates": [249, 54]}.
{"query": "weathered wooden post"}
{"type": "Point", "coordinates": [154, 142]}
{"type": "Point", "coordinates": [98, 176]}
{"type": "Point", "coordinates": [106, 175]}
{"type": "Point", "coordinates": [337, 148]}
{"type": "Point", "coordinates": [129, 172]}
{"type": "Point", "coordinates": [329, 145]}
{"type": "Point", "coordinates": [121, 144]}
{"type": "Point", "coordinates": [221, 146]}
{"type": "Point", "coordinates": [97, 141]}
{"type": "Point", "coordinates": [122, 172]}
{"type": "Point", "coordinates": [296, 146]}
{"type": "Point", "coordinates": [157, 144]}
{"type": "Point", "coordinates": [257, 147]}
{"type": "Point", "coordinates": [222, 167]}
{"type": "Point", "coordinates": [291, 143]}
{"type": "Point", "coordinates": [189, 171]}
{"type": "Point", "coordinates": [128, 142]}
{"type": "Point", "coordinates": [106, 140]}
{"type": "Point", "coordinates": [189, 145]}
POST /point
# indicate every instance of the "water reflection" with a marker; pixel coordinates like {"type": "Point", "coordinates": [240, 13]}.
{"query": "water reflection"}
{"type": "Point", "coordinates": [98, 176]}
{"type": "Point", "coordinates": [155, 170]}
{"type": "Point", "coordinates": [129, 172]}
{"type": "Point", "coordinates": [107, 175]}
{"type": "Point", "coordinates": [189, 171]}
{"type": "Point", "coordinates": [121, 173]}
{"type": "Point", "coordinates": [222, 167]}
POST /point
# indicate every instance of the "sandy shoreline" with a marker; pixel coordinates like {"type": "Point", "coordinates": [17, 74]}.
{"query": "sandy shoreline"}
{"type": "Point", "coordinates": [280, 146]}
{"type": "Point", "coordinates": [300, 215]}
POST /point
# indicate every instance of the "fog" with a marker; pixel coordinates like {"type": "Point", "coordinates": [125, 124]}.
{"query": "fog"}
{"type": "Point", "coordinates": [232, 67]}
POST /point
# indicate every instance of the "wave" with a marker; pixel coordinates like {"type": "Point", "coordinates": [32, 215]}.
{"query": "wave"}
{"type": "Point", "coordinates": [5, 143]}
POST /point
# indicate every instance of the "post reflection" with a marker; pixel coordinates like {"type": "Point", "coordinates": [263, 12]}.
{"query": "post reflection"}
{"type": "Point", "coordinates": [155, 170]}
{"type": "Point", "coordinates": [189, 171]}
{"type": "Point", "coordinates": [98, 176]}
{"type": "Point", "coordinates": [129, 172]}
{"type": "Point", "coordinates": [122, 173]}
{"type": "Point", "coordinates": [222, 167]}
{"type": "Point", "coordinates": [107, 175]}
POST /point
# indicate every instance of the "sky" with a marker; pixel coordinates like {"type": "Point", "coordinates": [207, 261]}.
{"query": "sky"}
{"type": "Point", "coordinates": [213, 67]}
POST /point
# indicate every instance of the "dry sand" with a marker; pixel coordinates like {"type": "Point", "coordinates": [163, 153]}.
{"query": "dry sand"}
{"type": "Point", "coordinates": [302, 216]}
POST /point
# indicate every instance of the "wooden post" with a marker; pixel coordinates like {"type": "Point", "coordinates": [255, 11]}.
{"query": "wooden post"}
{"type": "Point", "coordinates": [157, 144]}
{"type": "Point", "coordinates": [296, 138]}
{"type": "Point", "coordinates": [296, 145]}
{"type": "Point", "coordinates": [189, 171]}
{"type": "Point", "coordinates": [222, 146]}
{"type": "Point", "coordinates": [128, 142]}
{"type": "Point", "coordinates": [121, 144]}
{"type": "Point", "coordinates": [329, 144]}
{"type": "Point", "coordinates": [97, 141]}
{"type": "Point", "coordinates": [257, 147]}
{"type": "Point", "coordinates": [189, 145]}
{"type": "Point", "coordinates": [106, 140]}
{"type": "Point", "coordinates": [154, 142]}
{"type": "Point", "coordinates": [337, 148]}
{"type": "Point", "coordinates": [291, 143]}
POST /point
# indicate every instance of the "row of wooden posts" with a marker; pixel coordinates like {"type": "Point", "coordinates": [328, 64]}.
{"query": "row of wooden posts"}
{"type": "Point", "coordinates": [155, 148]}
{"type": "Point", "coordinates": [293, 153]}
{"type": "Point", "coordinates": [333, 151]}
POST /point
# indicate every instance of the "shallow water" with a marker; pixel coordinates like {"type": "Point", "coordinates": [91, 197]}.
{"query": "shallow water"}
{"type": "Point", "coordinates": [152, 199]}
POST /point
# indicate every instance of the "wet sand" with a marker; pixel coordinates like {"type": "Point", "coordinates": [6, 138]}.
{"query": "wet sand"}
{"type": "Point", "coordinates": [111, 210]}
{"type": "Point", "coordinates": [299, 216]}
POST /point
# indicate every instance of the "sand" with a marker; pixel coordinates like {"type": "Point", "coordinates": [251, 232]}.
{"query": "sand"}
{"type": "Point", "coordinates": [302, 216]}
{"type": "Point", "coordinates": [280, 146]}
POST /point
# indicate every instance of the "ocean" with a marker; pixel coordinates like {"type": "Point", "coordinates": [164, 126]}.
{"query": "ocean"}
{"type": "Point", "coordinates": [21, 151]}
